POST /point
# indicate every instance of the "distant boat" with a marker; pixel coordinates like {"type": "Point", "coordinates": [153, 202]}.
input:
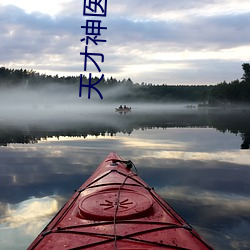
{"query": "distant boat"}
{"type": "Point", "coordinates": [125, 110]}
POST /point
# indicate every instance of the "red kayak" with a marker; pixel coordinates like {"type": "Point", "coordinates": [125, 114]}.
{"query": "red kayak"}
{"type": "Point", "coordinates": [116, 209]}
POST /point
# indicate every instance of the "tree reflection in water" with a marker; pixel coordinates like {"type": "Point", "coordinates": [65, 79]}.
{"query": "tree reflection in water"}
{"type": "Point", "coordinates": [234, 121]}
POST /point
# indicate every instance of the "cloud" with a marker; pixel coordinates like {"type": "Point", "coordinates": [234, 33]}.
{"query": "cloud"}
{"type": "Point", "coordinates": [29, 210]}
{"type": "Point", "coordinates": [164, 40]}
{"type": "Point", "coordinates": [199, 33]}
{"type": "Point", "coordinates": [229, 204]}
{"type": "Point", "coordinates": [26, 220]}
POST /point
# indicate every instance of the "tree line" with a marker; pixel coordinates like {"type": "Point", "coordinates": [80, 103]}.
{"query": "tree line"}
{"type": "Point", "coordinates": [235, 122]}
{"type": "Point", "coordinates": [236, 91]}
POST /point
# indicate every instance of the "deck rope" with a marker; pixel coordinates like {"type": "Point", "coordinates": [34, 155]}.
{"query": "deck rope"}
{"type": "Point", "coordinates": [129, 164]}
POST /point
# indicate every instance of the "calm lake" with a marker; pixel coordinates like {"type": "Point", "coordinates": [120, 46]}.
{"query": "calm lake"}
{"type": "Point", "coordinates": [198, 160]}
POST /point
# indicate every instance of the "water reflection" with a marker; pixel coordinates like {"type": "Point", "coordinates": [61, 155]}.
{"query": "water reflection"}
{"type": "Point", "coordinates": [31, 210]}
{"type": "Point", "coordinates": [195, 166]}
{"type": "Point", "coordinates": [20, 222]}
{"type": "Point", "coordinates": [110, 123]}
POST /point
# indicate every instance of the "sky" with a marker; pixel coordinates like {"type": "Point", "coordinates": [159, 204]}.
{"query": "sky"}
{"type": "Point", "coordinates": [159, 42]}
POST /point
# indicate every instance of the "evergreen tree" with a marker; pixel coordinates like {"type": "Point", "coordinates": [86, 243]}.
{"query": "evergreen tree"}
{"type": "Point", "coordinates": [246, 69]}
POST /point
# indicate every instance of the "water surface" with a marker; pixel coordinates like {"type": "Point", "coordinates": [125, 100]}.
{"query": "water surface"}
{"type": "Point", "coordinates": [193, 158]}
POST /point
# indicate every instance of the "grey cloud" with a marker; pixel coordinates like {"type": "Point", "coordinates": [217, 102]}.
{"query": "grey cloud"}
{"type": "Point", "coordinates": [199, 32]}
{"type": "Point", "coordinates": [220, 31]}
{"type": "Point", "coordinates": [138, 8]}
{"type": "Point", "coordinates": [36, 30]}
{"type": "Point", "coordinates": [128, 31]}
{"type": "Point", "coordinates": [131, 8]}
{"type": "Point", "coordinates": [38, 37]}
{"type": "Point", "coordinates": [30, 36]}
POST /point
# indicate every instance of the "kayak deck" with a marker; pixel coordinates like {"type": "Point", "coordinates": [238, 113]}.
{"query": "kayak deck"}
{"type": "Point", "coordinates": [116, 209]}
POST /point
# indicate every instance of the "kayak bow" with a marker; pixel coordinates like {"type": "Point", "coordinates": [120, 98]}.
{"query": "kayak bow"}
{"type": "Point", "coordinates": [116, 209]}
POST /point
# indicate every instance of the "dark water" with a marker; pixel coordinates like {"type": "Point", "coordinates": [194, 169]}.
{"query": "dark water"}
{"type": "Point", "coordinates": [197, 160]}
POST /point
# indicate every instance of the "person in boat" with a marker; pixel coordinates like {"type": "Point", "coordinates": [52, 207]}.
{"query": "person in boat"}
{"type": "Point", "coordinates": [120, 107]}
{"type": "Point", "coordinates": [125, 107]}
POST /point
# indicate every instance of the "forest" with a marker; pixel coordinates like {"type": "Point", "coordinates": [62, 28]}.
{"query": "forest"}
{"type": "Point", "coordinates": [224, 93]}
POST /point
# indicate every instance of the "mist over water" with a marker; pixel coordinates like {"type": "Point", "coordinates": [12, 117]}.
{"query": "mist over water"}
{"type": "Point", "coordinates": [45, 102]}
{"type": "Point", "coordinates": [60, 102]}
{"type": "Point", "coordinates": [52, 140]}
{"type": "Point", "coordinates": [57, 109]}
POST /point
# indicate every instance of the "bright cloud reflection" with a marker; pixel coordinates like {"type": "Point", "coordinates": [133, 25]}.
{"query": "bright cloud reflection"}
{"type": "Point", "coordinates": [29, 213]}
{"type": "Point", "coordinates": [22, 222]}
{"type": "Point", "coordinates": [227, 202]}
{"type": "Point", "coordinates": [151, 144]}
{"type": "Point", "coordinates": [223, 156]}
{"type": "Point", "coordinates": [187, 144]}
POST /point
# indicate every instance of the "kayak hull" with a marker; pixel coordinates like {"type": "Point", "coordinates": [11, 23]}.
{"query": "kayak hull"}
{"type": "Point", "coordinates": [116, 209]}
